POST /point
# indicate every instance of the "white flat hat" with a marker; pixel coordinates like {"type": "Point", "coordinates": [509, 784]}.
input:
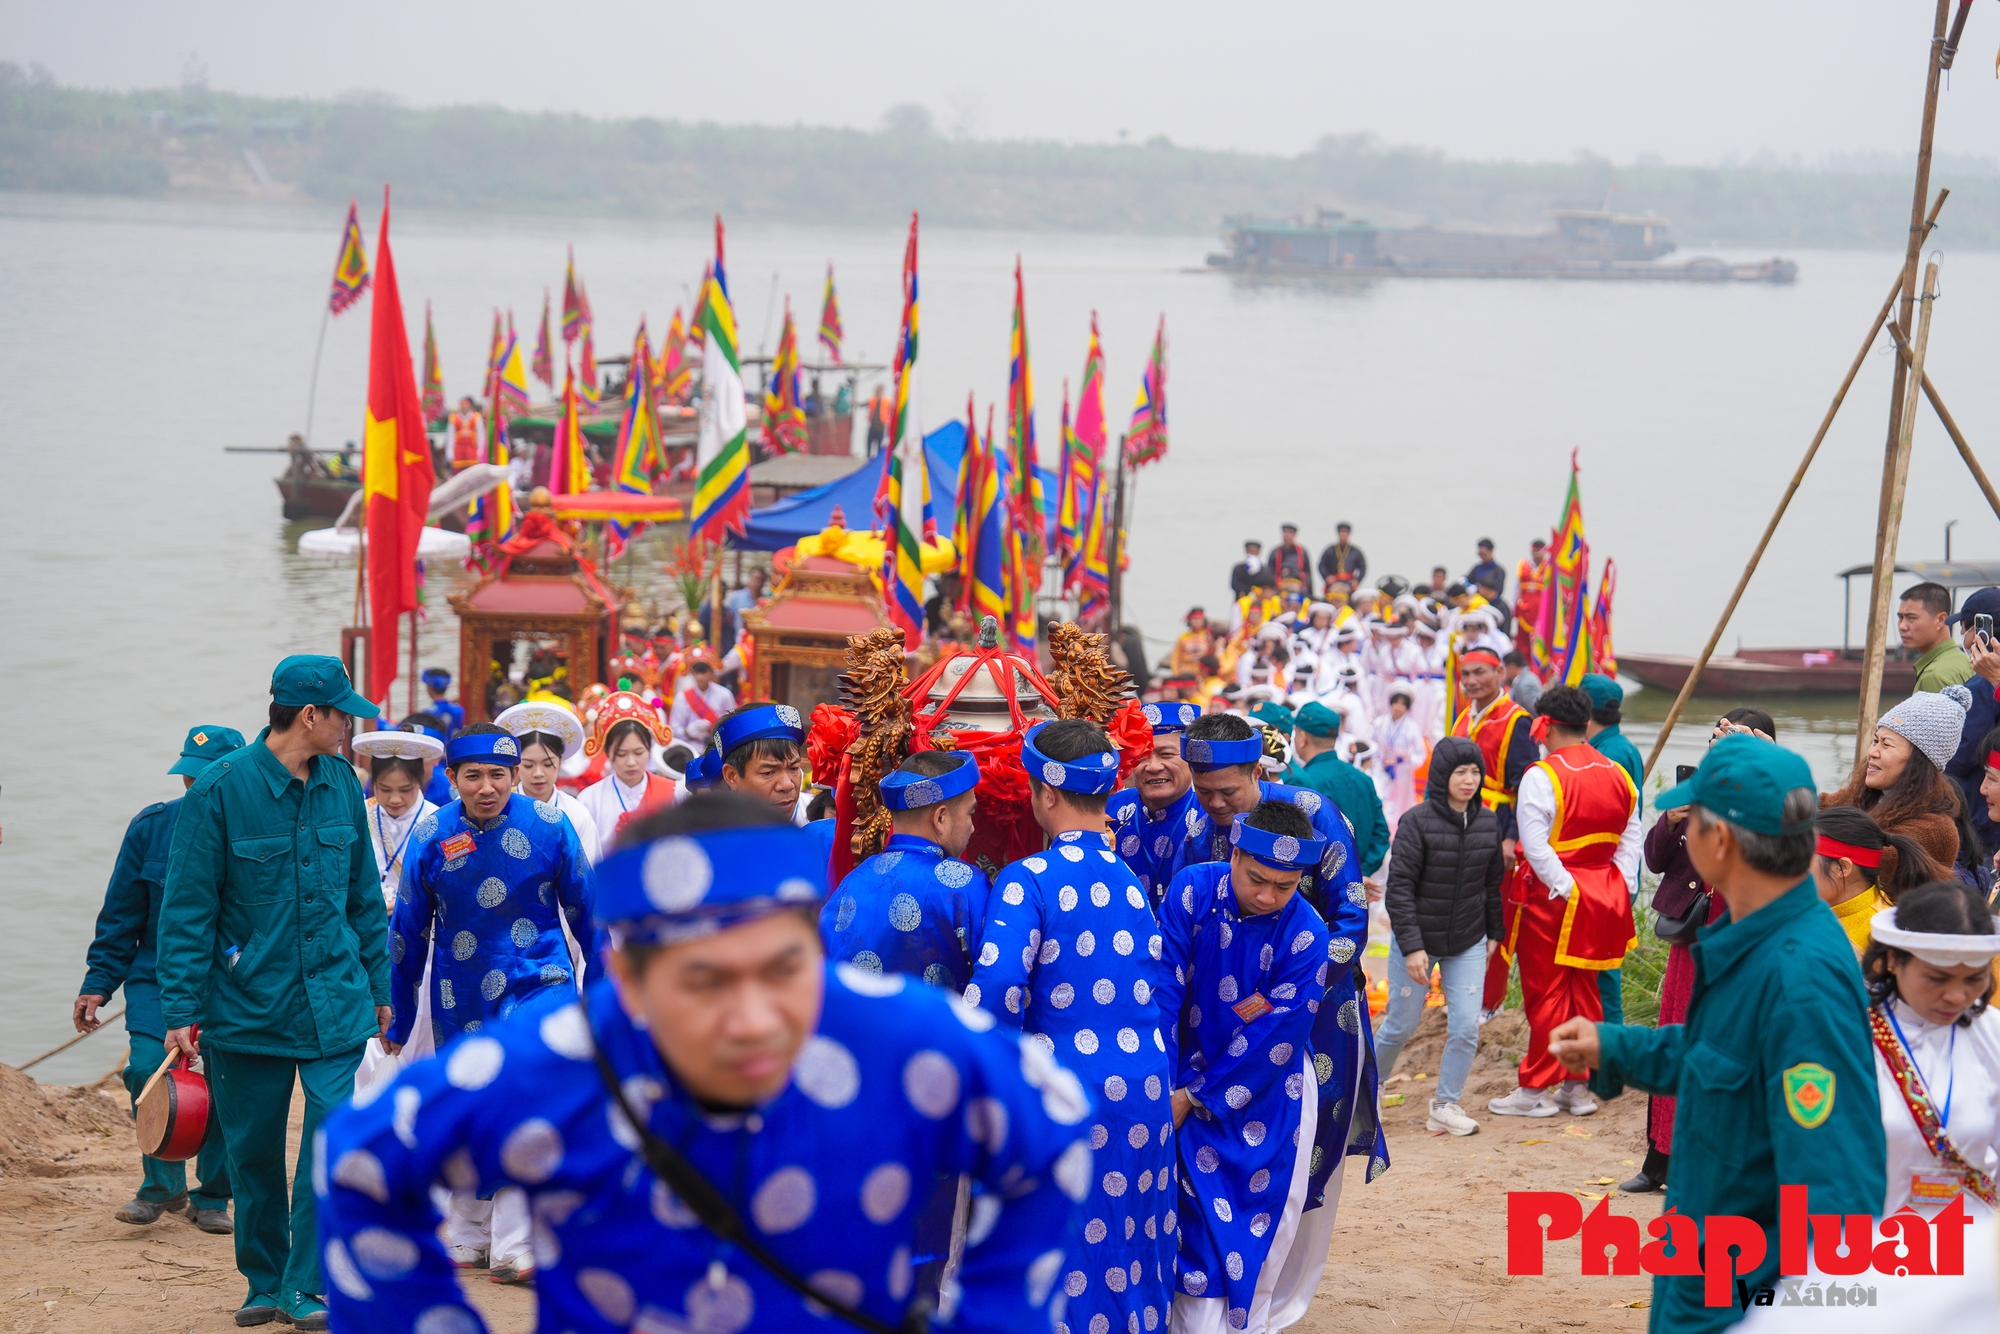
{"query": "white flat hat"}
{"type": "Point", "coordinates": [545, 715]}
{"type": "Point", "coordinates": [1935, 948]}
{"type": "Point", "coordinates": [400, 745]}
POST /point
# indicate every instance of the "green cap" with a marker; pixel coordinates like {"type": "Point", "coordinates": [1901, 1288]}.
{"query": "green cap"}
{"type": "Point", "coordinates": [204, 746]}
{"type": "Point", "coordinates": [1275, 714]}
{"type": "Point", "coordinates": [1744, 780]}
{"type": "Point", "coordinates": [314, 678]}
{"type": "Point", "coordinates": [1315, 719]}
{"type": "Point", "coordinates": [1601, 689]}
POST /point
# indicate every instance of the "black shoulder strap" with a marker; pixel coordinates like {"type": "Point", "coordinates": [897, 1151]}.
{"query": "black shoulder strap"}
{"type": "Point", "coordinates": [720, 1217]}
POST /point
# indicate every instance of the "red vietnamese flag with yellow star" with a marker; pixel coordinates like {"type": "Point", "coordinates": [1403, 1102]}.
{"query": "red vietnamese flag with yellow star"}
{"type": "Point", "coordinates": [396, 471]}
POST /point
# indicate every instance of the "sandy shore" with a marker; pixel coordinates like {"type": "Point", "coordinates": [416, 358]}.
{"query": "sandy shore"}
{"type": "Point", "coordinates": [1423, 1247]}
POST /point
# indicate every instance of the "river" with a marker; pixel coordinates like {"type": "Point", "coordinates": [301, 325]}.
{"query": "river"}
{"type": "Point", "coordinates": [151, 584]}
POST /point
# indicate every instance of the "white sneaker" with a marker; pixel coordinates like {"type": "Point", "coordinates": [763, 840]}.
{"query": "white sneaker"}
{"type": "Point", "coordinates": [1524, 1102]}
{"type": "Point", "coordinates": [1449, 1116]}
{"type": "Point", "coordinates": [468, 1257]}
{"type": "Point", "coordinates": [1485, 1015]}
{"type": "Point", "coordinates": [1573, 1096]}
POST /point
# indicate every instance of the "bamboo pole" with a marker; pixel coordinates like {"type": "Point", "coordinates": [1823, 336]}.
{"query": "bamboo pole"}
{"type": "Point", "coordinates": [1898, 392]}
{"type": "Point", "coordinates": [65, 1046]}
{"type": "Point", "coordinates": [1784, 501]}
{"type": "Point", "coordinates": [1950, 425]}
{"type": "Point", "coordinates": [1885, 555]}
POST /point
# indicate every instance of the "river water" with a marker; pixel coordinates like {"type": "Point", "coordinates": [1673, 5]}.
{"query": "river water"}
{"type": "Point", "coordinates": [151, 584]}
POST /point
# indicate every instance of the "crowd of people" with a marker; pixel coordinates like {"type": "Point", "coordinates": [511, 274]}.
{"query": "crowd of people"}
{"type": "Point", "coordinates": [574, 1002]}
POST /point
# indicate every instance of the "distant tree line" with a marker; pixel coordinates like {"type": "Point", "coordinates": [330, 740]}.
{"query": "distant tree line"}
{"type": "Point", "coordinates": [186, 141]}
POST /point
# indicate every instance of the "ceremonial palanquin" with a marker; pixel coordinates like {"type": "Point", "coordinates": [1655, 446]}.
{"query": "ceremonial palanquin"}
{"type": "Point", "coordinates": [979, 701]}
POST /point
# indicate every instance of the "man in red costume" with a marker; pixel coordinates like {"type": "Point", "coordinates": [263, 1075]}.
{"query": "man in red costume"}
{"type": "Point", "coordinates": [1500, 728]}
{"type": "Point", "coordinates": [1531, 576]}
{"type": "Point", "coordinates": [466, 427]}
{"type": "Point", "coordinates": [1578, 821]}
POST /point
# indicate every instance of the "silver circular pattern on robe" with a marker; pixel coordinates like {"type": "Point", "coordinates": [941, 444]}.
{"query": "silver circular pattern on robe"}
{"type": "Point", "coordinates": [1062, 995]}
{"type": "Point", "coordinates": [1062, 1096]}
{"type": "Point", "coordinates": [382, 1254]}
{"type": "Point", "coordinates": [1011, 894]}
{"type": "Point", "coordinates": [1086, 1041]}
{"type": "Point", "coordinates": [827, 1072]}
{"type": "Point", "coordinates": [843, 913]}
{"type": "Point", "coordinates": [1104, 991]}
{"type": "Point", "coordinates": [523, 932]}
{"type": "Point", "coordinates": [785, 1201]}
{"type": "Point", "coordinates": [723, 1310]}
{"type": "Point", "coordinates": [1128, 1040]}
{"type": "Point", "coordinates": [1294, 1084]}
{"type": "Point", "coordinates": [607, 1293]}
{"type": "Point", "coordinates": [986, 1123]}
{"type": "Point", "coordinates": [904, 914]}
{"type": "Point", "coordinates": [1035, 864]}
{"type": "Point", "coordinates": [1309, 802]}
{"type": "Point", "coordinates": [1207, 1159]}
{"type": "Point", "coordinates": [492, 891]}
{"type": "Point", "coordinates": [1114, 1184]}
{"type": "Point", "coordinates": [837, 1285]}
{"type": "Point", "coordinates": [1322, 1066]}
{"type": "Point", "coordinates": [464, 945]}
{"type": "Point", "coordinates": [1253, 1133]}
{"type": "Point", "coordinates": [1237, 1096]}
{"type": "Point", "coordinates": [550, 813]}
{"type": "Point", "coordinates": [953, 874]}
{"type": "Point", "coordinates": [1349, 1017]}
{"type": "Point", "coordinates": [1086, 944]}
{"type": "Point", "coordinates": [491, 985]}
{"type": "Point", "coordinates": [345, 1276]}
{"type": "Point", "coordinates": [566, 1032]}
{"type": "Point", "coordinates": [1259, 1180]}
{"type": "Point", "coordinates": [474, 1063]}
{"type": "Point", "coordinates": [1194, 1282]}
{"type": "Point", "coordinates": [532, 1151]}
{"type": "Point", "coordinates": [1226, 989]}
{"type": "Point", "coordinates": [1260, 1225]}
{"type": "Point", "coordinates": [1072, 1171]}
{"type": "Point", "coordinates": [670, 1209]}
{"type": "Point", "coordinates": [867, 961]}
{"type": "Point", "coordinates": [1122, 942]}
{"type": "Point", "coordinates": [1340, 949]}
{"type": "Point", "coordinates": [361, 1170]}
{"type": "Point", "coordinates": [1114, 1088]}
{"type": "Point", "coordinates": [865, 983]}
{"type": "Point", "coordinates": [930, 1082]}
{"type": "Point", "coordinates": [1070, 852]}
{"type": "Point", "coordinates": [1281, 1054]}
{"type": "Point", "coordinates": [676, 874]}
{"type": "Point", "coordinates": [516, 845]}
{"type": "Point", "coordinates": [1066, 898]}
{"type": "Point", "coordinates": [426, 827]}
{"type": "Point", "coordinates": [445, 996]}
{"type": "Point", "coordinates": [1100, 894]}
{"type": "Point", "coordinates": [1135, 896]}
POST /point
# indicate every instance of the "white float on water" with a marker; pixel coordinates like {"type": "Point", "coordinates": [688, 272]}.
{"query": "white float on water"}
{"type": "Point", "coordinates": [343, 543]}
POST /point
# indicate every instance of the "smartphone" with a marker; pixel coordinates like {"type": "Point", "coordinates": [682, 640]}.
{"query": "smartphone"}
{"type": "Point", "coordinates": [1683, 772]}
{"type": "Point", "coordinates": [1983, 627]}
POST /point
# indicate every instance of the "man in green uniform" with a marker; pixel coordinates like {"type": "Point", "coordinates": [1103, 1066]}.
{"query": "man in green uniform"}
{"type": "Point", "coordinates": [1773, 1067]}
{"type": "Point", "coordinates": [121, 954]}
{"type": "Point", "coordinates": [273, 940]}
{"type": "Point", "coordinates": [1315, 732]}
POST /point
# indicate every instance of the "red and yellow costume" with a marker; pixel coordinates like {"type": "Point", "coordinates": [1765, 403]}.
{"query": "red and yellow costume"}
{"type": "Point", "coordinates": [1533, 577]}
{"type": "Point", "coordinates": [465, 449]}
{"type": "Point", "coordinates": [1564, 942]}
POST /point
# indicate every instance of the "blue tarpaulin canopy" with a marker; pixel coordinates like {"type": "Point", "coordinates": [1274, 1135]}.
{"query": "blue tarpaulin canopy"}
{"type": "Point", "coordinates": [804, 513]}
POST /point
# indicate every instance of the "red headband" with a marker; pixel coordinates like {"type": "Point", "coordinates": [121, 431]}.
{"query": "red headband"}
{"type": "Point", "coordinates": [1868, 857]}
{"type": "Point", "coordinates": [1993, 759]}
{"type": "Point", "coordinates": [1482, 653]}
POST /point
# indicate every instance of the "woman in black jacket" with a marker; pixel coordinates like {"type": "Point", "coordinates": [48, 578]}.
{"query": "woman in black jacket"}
{"type": "Point", "coordinates": [1445, 869]}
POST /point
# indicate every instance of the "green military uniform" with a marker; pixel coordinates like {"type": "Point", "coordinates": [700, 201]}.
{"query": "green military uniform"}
{"type": "Point", "coordinates": [122, 955]}
{"type": "Point", "coordinates": [272, 938]}
{"type": "Point", "coordinates": [1773, 1069]}
{"type": "Point", "coordinates": [1943, 664]}
{"type": "Point", "coordinates": [1350, 789]}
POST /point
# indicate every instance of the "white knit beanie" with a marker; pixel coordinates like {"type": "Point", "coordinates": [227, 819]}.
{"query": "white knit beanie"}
{"type": "Point", "coordinates": [1933, 723]}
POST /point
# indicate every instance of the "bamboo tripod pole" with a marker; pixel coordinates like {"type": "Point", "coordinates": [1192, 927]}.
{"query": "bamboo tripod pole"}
{"type": "Point", "coordinates": [1784, 501]}
{"type": "Point", "coordinates": [1892, 525]}
{"type": "Point", "coordinates": [1950, 425]}
{"type": "Point", "coordinates": [1878, 630]}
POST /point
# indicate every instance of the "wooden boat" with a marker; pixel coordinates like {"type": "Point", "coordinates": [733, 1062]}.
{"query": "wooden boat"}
{"type": "Point", "coordinates": [1752, 672]}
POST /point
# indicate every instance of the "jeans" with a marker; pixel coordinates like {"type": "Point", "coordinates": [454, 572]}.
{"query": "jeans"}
{"type": "Point", "coordinates": [1464, 977]}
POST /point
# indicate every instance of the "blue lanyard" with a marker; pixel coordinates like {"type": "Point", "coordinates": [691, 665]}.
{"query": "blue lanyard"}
{"type": "Point", "coordinates": [383, 838]}
{"type": "Point", "coordinates": [1951, 1082]}
{"type": "Point", "coordinates": [618, 791]}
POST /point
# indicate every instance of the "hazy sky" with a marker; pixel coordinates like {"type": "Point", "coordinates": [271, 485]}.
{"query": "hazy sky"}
{"type": "Point", "coordinates": [1537, 79]}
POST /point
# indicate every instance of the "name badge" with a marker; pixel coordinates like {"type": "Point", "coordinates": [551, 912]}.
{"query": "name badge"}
{"type": "Point", "coordinates": [1252, 1006]}
{"type": "Point", "coordinates": [1935, 1187]}
{"type": "Point", "coordinates": [458, 845]}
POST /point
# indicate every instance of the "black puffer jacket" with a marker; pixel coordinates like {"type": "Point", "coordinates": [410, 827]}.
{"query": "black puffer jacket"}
{"type": "Point", "coordinates": [1445, 867]}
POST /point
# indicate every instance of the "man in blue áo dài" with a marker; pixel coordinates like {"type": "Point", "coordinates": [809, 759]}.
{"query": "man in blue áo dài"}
{"type": "Point", "coordinates": [1070, 953]}
{"type": "Point", "coordinates": [810, 1099]}
{"type": "Point", "coordinates": [1151, 818]}
{"type": "Point", "coordinates": [914, 907]}
{"type": "Point", "coordinates": [763, 755]}
{"type": "Point", "coordinates": [121, 955]}
{"type": "Point", "coordinates": [1224, 751]}
{"type": "Point", "coordinates": [1247, 967]}
{"type": "Point", "coordinates": [480, 899]}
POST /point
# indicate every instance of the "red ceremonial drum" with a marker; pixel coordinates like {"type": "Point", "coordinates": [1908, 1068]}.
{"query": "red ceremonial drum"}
{"type": "Point", "coordinates": [173, 1111]}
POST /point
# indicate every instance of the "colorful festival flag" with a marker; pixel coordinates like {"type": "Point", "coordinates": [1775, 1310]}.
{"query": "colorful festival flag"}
{"type": "Point", "coordinates": [1566, 601]}
{"type": "Point", "coordinates": [513, 377]}
{"type": "Point", "coordinates": [396, 473]}
{"type": "Point", "coordinates": [675, 374]}
{"type": "Point", "coordinates": [573, 316]}
{"type": "Point", "coordinates": [569, 468]}
{"type": "Point", "coordinates": [496, 347]}
{"type": "Point", "coordinates": [905, 491]}
{"type": "Point", "coordinates": [986, 563]}
{"type": "Point", "coordinates": [350, 270]}
{"type": "Point", "coordinates": [433, 372]}
{"type": "Point", "coordinates": [784, 415]}
{"type": "Point", "coordinates": [590, 382]}
{"type": "Point", "coordinates": [722, 448]}
{"type": "Point", "coordinates": [544, 366]}
{"type": "Point", "coordinates": [1603, 658]}
{"type": "Point", "coordinates": [1029, 505]}
{"type": "Point", "coordinates": [1146, 440]}
{"type": "Point", "coordinates": [638, 454]}
{"type": "Point", "coordinates": [830, 332]}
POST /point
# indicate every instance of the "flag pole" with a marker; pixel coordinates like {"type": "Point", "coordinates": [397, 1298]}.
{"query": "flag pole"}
{"type": "Point", "coordinates": [1117, 591]}
{"type": "Point", "coordinates": [413, 660]}
{"type": "Point", "coordinates": [312, 389]}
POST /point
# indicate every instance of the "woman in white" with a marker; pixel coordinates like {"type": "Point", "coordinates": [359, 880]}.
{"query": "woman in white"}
{"type": "Point", "coordinates": [626, 729]}
{"type": "Point", "coordinates": [395, 761]}
{"type": "Point", "coordinates": [1929, 972]}
{"type": "Point", "coordinates": [550, 733]}
{"type": "Point", "coordinates": [1403, 749]}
